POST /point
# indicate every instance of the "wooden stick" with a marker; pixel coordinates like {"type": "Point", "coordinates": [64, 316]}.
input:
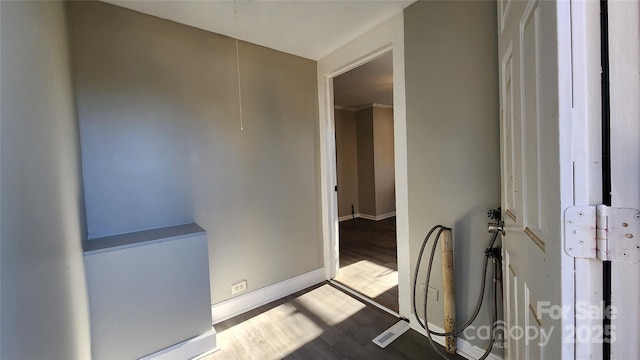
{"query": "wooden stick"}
{"type": "Point", "coordinates": [448, 287]}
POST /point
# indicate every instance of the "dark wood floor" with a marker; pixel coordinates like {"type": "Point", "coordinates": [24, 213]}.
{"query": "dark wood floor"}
{"type": "Point", "coordinates": [321, 322]}
{"type": "Point", "coordinates": [368, 259]}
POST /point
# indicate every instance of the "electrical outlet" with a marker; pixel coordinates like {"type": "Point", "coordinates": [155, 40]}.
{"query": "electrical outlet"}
{"type": "Point", "coordinates": [433, 294]}
{"type": "Point", "coordinates": [239, 286]}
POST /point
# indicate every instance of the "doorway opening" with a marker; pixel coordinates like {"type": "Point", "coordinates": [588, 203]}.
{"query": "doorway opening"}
{"type": "Point", "coordinates": [365, 169]}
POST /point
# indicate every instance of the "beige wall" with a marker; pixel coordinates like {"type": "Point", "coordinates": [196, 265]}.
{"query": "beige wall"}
{"type": "Point", "coordinates": [162, 145]}
{"type": "Point", "coordinates": [366, 162]}
{"type": "Point", "coordinates": [384, 160]}
{"type": "Point", "coordinates": [43, 298]}
{"type": "Point", "coordinates": [346, 161]}
{"type": "Point", "coordinates": [452, 136]}
{"type": "Point", "coordinates": [365, 145]}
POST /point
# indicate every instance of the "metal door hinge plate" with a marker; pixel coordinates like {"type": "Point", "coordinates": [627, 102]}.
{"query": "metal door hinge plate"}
{"type": "Point", "coordinates": [602, 232]}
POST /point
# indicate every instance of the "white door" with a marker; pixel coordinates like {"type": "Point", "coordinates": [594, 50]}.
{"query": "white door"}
{"type": "Point", "coordinates": [537, 185]}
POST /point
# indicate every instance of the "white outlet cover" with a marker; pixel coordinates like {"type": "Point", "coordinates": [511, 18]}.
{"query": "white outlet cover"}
{"type": "Point", "coordinates": [238, 287]}
{"type": "Point", "coordinates": [433, 293]}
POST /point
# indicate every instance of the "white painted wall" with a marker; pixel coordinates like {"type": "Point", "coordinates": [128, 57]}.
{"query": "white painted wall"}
{"type": "Point", "coordinates": [44, 306]}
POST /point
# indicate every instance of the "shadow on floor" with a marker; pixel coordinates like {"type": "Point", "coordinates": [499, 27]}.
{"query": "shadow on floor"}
{"type": "Point", "coordinates": [321, 322]}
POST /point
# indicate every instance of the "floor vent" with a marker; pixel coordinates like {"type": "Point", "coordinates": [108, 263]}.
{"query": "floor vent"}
{"type": "Point", "coordinates": [392, 333]}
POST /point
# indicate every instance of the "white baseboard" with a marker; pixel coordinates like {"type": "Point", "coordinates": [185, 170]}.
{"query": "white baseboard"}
{"type": "Point", "coordinates": [464, 348]}
{"type": "Point", "coordinates": [348, 217]}
{"type": "Point", "coordinates": [385, 216]}
{"type": "Point", "coordinates": [368, 217]}
{"type": "Point", "coordinates": [243, 303]}
{"type": "Point", "coordinates": [194, 348]}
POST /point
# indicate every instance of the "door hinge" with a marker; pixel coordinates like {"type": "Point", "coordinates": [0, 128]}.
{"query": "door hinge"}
{"type": "Point", "coordinates": [603, 232]}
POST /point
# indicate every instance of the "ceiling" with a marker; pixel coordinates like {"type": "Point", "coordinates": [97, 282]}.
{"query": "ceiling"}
{"type": "Point", "coordinates": [307, 28]}
{"type": "Point", "coordinates": [371, 83]}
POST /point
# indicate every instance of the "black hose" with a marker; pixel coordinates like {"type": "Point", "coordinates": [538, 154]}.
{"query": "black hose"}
{"type": "Point", "coordinates": [489, 252]}
{"type": "Point", "coordinates": [417, 271]}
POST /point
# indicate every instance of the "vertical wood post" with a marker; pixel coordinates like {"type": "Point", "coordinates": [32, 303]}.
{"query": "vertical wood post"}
{"type": "Point", "coordinates": [448, 290]}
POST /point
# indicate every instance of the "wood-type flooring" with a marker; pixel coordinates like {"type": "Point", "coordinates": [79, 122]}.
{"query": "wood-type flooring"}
{"type": "Point", "coordinates": [368, 260]}
{"type": "Point", "coordinates": [321, 322]}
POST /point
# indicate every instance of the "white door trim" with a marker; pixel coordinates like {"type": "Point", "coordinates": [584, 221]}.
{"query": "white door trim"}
{"type": "Point", "coordinates": [385, 37]}
{"type": "Point", "coordinates": [624, 86]}
{"type": "Point", "coordinates": [586, 157]}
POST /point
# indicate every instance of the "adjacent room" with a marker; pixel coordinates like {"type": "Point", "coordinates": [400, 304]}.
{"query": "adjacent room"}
{"type": "Point", "coordinates": [363, 117]}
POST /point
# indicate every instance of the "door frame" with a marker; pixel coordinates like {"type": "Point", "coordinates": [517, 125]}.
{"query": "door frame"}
{"type": "Point", "coordinates": [388, 36]}
{"type": "Point", "coordinates": [586, 141]}
{"type": "Point", "coordinates": [624, 62]}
